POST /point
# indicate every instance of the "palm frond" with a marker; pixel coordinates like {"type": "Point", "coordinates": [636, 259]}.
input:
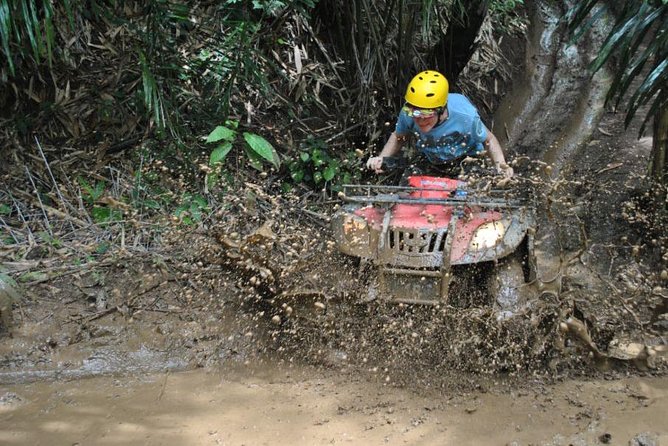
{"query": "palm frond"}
{"type": "Point", "coordinates": [656, 80]}
{"type": "Point", "coordinates": [638, 38]}
{"type": "Point", "coordinates": [6, 32]}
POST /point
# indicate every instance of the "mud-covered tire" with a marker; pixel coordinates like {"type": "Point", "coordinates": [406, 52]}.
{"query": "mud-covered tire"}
{"type": "Point", "coordinates": [507, 287]}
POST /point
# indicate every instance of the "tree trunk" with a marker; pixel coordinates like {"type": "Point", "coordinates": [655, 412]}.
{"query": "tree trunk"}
{"type": "Point", "coordinates": [453, 51]}
{"type": "Point", "coordinates": [659, 163]}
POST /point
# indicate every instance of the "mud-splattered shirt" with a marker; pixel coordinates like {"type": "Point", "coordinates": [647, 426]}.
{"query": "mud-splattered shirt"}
{"type": "Point", "coordinates": [462, 134]}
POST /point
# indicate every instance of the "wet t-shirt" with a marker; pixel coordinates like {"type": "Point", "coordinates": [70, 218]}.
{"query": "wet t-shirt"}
{"type": "Point", "coordinates": [462, 134]}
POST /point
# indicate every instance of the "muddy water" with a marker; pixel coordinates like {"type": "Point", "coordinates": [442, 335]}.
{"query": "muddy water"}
{"type": "Point", "coordinates": [263, 404]}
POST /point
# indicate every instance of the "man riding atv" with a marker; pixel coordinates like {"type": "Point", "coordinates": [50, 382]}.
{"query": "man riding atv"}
{"type": "Point", "coordinates": [447, 128]}
{"type": "Point", "coordinates": [436, 229]}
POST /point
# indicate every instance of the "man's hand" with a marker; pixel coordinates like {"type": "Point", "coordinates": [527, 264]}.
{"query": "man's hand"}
{"type": "Point", "coordinates": [506, 171]}
{"type": "Point", "coordinates": [375, 163]}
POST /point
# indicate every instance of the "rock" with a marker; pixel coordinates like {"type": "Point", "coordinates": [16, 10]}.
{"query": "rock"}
{"type": "Point", "coordinates": [641, 355]}
{"type": "Point", "coordinates": [605, 438]}
{"type": "Point", "coordinates": [8, 295]}
{"type": "Point", "coordinates": [625, 351]}
{"type": "Point", "coordinates": [645, 439]}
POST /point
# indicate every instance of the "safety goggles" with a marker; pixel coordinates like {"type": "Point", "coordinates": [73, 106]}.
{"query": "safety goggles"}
{"type": "Point", "coordinates": [419, 112]}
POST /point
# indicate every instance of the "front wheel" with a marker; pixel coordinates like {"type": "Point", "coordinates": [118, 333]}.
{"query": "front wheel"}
{"type": "Point", "coordinates": [508, 288]}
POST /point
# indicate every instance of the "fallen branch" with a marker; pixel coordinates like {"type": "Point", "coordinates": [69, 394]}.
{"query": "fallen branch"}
{"type": "Point", "coordinates": [609, 167]}
{"type": "Point", "coordinates": [53, 211]}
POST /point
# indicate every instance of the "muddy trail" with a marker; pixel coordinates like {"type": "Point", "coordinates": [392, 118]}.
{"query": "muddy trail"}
{"type": "Point", "coordinates": [259, 298]}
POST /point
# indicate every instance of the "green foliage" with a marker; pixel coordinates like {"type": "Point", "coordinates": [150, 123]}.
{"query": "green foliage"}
{"type": "Point", "coordinates": [26, 30]}
{"type": "Point", "coordinates": [507, 16]}
{"type": "Point", "coordinates": [50, 240]}
{"type": "Point", "coordinates": [152, 93]}
{"type": "Point", "coordinates": [257, 149]}
{"type": "Point", "coordinates": [147, 193]}
{"type": "Point", "coordinates": [5, 209]}
{"type": "Point", "coordinates": [191, 209]}
{"type": "Point", "coordinates": [103, 214]}
{"type": "Point", "coordinates": [315, 167]}
{"type": "Point", "coordinates": [33, 276]}
{"type": "Point", "coordinates": [160, 68]}
{"type": "Point", "coordinates": [505, 6]}
{"type": "Point", "coordinates": [91, 194]}
{"type": "Point", "coordinates": [263, 148]}
{"type": "Point", "coordinates": [102, 247]}
{"type": "Point", "coordinates": [639, 39]}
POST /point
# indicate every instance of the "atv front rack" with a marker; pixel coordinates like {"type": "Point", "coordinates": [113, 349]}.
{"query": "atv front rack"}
{"type": "Point", "coordinates": [384, 195]}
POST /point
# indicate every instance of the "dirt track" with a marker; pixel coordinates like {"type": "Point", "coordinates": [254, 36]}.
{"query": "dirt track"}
{"type": "Point", "coordinates": [269, 404]}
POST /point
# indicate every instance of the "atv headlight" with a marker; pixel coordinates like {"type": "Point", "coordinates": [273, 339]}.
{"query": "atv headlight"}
{"type": "Point", "coordinates": [487, 235]}
{"type": "Point", "coordinates": [355, 230]}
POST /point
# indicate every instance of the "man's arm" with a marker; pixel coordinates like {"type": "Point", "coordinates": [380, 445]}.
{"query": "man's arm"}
{"type": "Point", "coordinates": [496, 153]}
{"type": "Point", "coordinates": [391, 148]}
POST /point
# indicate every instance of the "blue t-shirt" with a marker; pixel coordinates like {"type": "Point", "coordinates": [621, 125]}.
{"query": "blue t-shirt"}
{"type": "Point", "coordinates": [462, 134]}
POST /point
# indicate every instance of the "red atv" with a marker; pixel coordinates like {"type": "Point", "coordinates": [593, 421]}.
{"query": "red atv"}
{"type": "Point", "coordinates": [419, 237]}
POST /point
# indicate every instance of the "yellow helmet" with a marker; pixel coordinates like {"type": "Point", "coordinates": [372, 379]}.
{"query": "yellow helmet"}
{"type": "Point", "coordinates": [428, 89]}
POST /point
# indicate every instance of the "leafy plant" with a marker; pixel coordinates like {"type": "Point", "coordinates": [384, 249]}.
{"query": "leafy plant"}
{"type": "Point", "coordinates": [636, 21]}
{"type": "Point", "coordinates": [639, 40]}
{"type": "Point", "coordinates": [102, 214]}
{"type": "Point", "coordinates": [316, 167]}
{"type": "Point", "coordinates": [258, 150]}
{"type": "Point", "coordinates": [191, 209]}
{"type": "Point", "coordinates": [26, 29]}
{"type": "Point", "coordinates": [91, 194]}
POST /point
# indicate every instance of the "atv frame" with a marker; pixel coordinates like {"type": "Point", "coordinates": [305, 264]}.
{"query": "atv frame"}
{"type": "Point", "coordinates": [414, 235]}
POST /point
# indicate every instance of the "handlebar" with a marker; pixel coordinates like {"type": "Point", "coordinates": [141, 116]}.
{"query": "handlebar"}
{"type": "Point", "coordinates": [393, 163]}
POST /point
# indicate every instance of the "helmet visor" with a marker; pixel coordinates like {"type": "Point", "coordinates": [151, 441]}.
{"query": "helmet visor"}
{"type": "Point", "coordinates": [414, 112]}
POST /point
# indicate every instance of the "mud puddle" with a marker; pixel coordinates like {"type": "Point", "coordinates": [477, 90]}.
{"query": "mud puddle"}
{"type": "Point", "coordinates": [265, 403]}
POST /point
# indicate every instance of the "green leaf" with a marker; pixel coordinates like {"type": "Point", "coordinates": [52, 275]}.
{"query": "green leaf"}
{"type": "Point", "coordinates": [297, 176]}
{"type": "Point", "coordinates": [196, 212]}
{"type": "Point", "coordinates": [201, 202]}
{"type": "Point", "coordinates": [99, 190]}
{"type": "Point", "coordinates": [304, 156]}
{"type": "Point", "coordinates": [254, 159]}
{"type": "Point", "coordinates": [180, 210]}
{"type": "Point", "coordinates": [5, 210]}
{"type": "Point", "coordinates": [319, 157]}
{"type": "Point", "coordinates": [263, 148]}
{"type": "Point", "coordinates": [6, 32]}
{"type": "Point", "coordinates": [151, 204]}
{"type": "Point", "coordinates": [212, 179]}
{"type": "Point", "coordinates": [329, 173]}
{"type": "Point", "coordinates": [219, 153]}
{"type": "Point", "coordinates": [221, 133]}
{"type": "Point", "coordinates": [105, 215]}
